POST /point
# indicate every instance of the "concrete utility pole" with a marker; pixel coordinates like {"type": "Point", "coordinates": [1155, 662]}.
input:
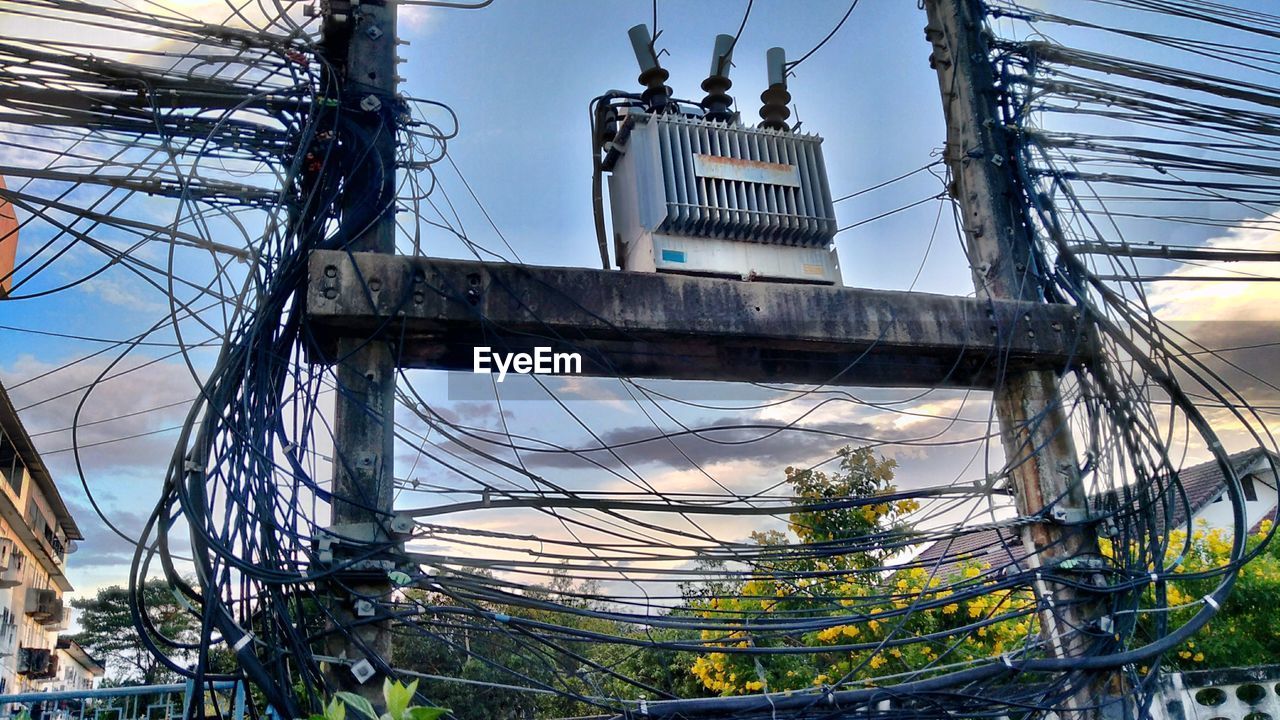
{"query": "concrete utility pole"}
{"type": "Point", "coordinates": [360, 44]}
{"type": "Point", "coordinates": [1034, 431]}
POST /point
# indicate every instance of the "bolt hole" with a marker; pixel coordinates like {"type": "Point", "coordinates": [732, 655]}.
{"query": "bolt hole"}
{"type": "Point", "coordinates": [1211, 697]}
{"type": "Point", "coordinates": [1251, 693]}
{"type": "Point", "coordinates": [330, 271]}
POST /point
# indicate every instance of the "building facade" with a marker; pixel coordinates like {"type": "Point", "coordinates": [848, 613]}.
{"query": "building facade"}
{"type": "Point", "coordinates": [77, 669]}
{"type": "Point", "coordinates": [36, 530]}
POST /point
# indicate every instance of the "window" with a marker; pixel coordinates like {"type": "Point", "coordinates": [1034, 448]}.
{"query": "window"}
{"type": "Point", "coordinates": [1250, 492]}
{"type": "Point", "coordinates": [11, 466]}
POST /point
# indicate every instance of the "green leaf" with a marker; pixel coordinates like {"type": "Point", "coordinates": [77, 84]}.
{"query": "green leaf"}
{"type": "Point", "coordinates": [398, 697]}
{"type": "Point", "coordinates": [364, 706]}
{"type": "Point", "coordinates": [335, 711]}
{"type": "Point", "coordinates": [425, 713]}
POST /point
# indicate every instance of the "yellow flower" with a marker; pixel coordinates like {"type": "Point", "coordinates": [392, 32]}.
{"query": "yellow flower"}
{"type": "Point", "coordinates": [1199, 657]}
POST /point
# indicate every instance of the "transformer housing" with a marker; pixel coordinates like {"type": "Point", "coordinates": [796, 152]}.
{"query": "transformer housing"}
{"type": "Point", "coordinates": [702, 197]}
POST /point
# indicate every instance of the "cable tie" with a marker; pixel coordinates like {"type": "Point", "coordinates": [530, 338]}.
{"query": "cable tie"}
{"type": "Point", "coordinates": [502, 617]}
{"type": "Point", "coordinates": [245, 639]}
{"type": "Point", "coordinates": [1154, 577]}
{"type": "Point", "coordinates": [644, 706]}
{"type": "Point", "coordinates": [1208, 600]}
{"type": "Point", "coordinates": [1004, 660]}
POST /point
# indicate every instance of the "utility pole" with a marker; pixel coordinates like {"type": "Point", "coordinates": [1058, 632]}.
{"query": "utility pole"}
{"type": "Point", "coordinates": [360, 45]}
{"type": "Point", "coordinates": [1040, 455]}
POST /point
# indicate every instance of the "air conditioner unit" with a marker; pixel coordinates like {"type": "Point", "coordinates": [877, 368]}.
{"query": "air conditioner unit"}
{"type": "Point", "coordinates": [50, 671]}
{"type": "Point", "coordinates": [32, 662]}
{"type": "Point", "coordinates": [41, 603]}
{"type": "Point", "coordinates": [704, 197]}
{"type": "Point", "coordinates": [53, 615]}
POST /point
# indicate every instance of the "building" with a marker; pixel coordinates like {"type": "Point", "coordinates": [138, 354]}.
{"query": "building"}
{"type": "Point", "coordinates": [77, 669]}
{"type": "Point", "coordinates": [1205, 488]}
{"type": "Point", "coordinates": [36, 530]}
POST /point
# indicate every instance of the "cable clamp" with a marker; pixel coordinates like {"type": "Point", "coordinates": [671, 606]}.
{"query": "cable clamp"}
{"type": "Point", "coordinates": [245, 639]}
{"type": "Point", "coordinates": [1154, 577]}
{"type": "Point", "coordinates": [644, 706]}
{"type": "Point", "coordinates": [1211, 602]}
{"type": "Point", "coordinates": [192, 466]}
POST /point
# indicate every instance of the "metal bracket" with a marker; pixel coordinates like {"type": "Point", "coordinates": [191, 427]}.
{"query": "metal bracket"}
{"type": "Point", "coordinates": [1069, 516]}
{"type": "Point", "coordinates": [402, 524]}
{"type": "Point", "coordinates": [363, 670]}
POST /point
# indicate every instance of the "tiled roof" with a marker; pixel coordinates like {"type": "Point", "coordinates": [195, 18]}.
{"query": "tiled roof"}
{"type": "Point", "coordinates": [996, 547]}
{"type": "Point", "coordinates": [999, 547]}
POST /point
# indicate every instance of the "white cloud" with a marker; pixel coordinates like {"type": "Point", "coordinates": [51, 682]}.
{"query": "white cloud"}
{"type": "Point", "coordinates": [1198, 301]}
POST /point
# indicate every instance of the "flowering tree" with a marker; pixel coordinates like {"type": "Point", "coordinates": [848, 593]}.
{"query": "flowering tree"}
{"type": "Point", "coordinates": [822, 585]}
{"type": "Point", "coordinates": [1246, 630]}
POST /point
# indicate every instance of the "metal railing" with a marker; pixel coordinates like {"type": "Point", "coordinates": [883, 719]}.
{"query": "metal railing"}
{"type": "Point", "coordinates": [137, 702]}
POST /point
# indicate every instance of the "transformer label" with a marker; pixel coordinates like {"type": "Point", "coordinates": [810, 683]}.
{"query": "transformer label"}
{"type": "Point", "coordinates": [753, 171]}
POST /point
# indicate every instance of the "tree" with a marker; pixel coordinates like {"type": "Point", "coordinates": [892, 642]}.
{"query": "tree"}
{"type": "Point", "coordinates": [1246, 630]}
{"type": "Point", "coordinates": [834, 563]}
{"type": "Point", "coordinates": [108, 633]}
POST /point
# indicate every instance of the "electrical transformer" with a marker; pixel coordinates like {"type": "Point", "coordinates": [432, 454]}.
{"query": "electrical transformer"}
{"type": "Point", "coordinates": [706, 195]}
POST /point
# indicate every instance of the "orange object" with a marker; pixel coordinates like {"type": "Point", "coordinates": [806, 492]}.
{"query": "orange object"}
{"type": "Point", "coordinates": [8, 243]}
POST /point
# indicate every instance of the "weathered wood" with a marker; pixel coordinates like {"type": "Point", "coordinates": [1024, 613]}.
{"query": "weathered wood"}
{"type": "Point", "coordinates": [691, 328]}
